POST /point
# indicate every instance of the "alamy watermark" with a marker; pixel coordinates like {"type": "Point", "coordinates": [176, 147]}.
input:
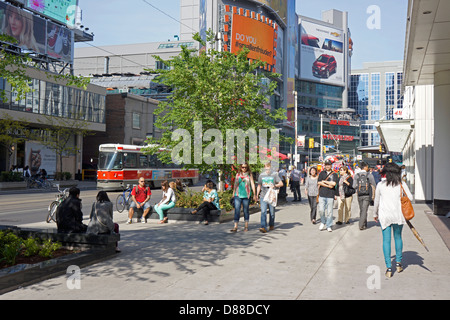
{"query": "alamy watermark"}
{"type": "Point", "coordinates": [73, 281]}
{"type": "Point", "coordinates": [374, 280]}
{"type": "Point", "coordinates": [231, 149]}
{"type": "Point", "coordinates": [374, 20]}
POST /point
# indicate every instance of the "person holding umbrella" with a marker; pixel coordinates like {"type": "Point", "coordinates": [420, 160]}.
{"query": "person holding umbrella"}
{"type": "Point", "coordinates": [388, 212]}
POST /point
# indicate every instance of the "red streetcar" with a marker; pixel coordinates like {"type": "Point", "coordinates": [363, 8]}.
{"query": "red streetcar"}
{"type": "Point", "coordinates": [120, 165]}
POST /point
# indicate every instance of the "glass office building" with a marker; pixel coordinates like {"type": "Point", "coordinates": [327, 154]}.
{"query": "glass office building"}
{"type": "Point", "coordinates": [376, 94]}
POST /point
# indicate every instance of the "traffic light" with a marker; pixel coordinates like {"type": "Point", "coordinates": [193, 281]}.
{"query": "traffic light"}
{"type": "Point", "coordinates": [311, 143]}
{"type": "Point", "coordinates": [381, 148]}
{"type": "Point", "coordinates": [324, 149]}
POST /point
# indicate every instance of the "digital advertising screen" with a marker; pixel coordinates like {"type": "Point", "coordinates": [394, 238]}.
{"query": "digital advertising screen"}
{"type": "Point", "coordinates": [28, 30]}
{"type": "Point", "coordinates": [322, 53]}
{"type": "Point", "coordinates": [257, 36]}
{"type": "Point", "coordinates": [62, 11]}
{"type": "Point", "coordinates": [36, 34]}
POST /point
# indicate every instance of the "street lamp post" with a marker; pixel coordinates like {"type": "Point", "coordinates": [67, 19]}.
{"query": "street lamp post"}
{"type": "Point", "coordinates": [335, 141]}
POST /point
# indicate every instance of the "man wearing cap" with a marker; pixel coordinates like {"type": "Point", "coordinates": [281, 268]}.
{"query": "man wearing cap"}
{"type": "Point", "coordinates": [327, 182]}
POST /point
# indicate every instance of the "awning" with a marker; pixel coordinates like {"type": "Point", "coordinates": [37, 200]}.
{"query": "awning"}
{"type": "Point", "coordinates": [370, 149]}
{"type": "Point", "coordinates": [395, 133]}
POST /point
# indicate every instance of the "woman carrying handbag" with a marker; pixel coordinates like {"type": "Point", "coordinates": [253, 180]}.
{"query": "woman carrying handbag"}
{"type": "Point", "coordinates": [388, 212]}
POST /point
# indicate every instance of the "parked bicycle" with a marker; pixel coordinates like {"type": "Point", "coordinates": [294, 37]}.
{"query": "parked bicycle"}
{"type": "Point", "coordinates": [52, 208]}
{"type": "Point", "coordinates": [39, 183]}
{"type": "Point", "coordinates": [123, 200]}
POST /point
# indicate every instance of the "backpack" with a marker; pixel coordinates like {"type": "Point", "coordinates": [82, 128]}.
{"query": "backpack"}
{"type": "Point", "coordinates": [363, 184]}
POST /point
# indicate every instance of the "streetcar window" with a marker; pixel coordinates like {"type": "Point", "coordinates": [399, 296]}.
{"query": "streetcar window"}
{"type": "Point", "coordinates": [130, 160]}
{"type": "Point", "coordinates": [143, 161]}
{"type": "Point", "coordinates": [110, 161]}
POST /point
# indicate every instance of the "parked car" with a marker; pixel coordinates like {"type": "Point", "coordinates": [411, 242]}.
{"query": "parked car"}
{"type": "Point", "coordinates": [324, 66]}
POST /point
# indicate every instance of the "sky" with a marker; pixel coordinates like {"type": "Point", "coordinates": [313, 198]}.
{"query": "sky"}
{"type": "Point", "coordinates": [115, 22]}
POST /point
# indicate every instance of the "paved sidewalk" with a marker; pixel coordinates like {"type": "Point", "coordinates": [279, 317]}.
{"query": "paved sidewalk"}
{"type": "Point", "coordinates": [295, 261]}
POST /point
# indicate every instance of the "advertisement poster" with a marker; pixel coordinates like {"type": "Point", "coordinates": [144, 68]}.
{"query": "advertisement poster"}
{"type": "Point", "coordinates": [62, 11]}
{"type": "Point", "coordinates": [279, 6]}
{"type": "Point", "coordinates": [322, 53]}
{"type": "Point", "coordinates": [39, 157]}
{"type": "Point", "coordinates": [257, 36]}
{"type": "Point", "coordinates": [59, 42]}
{"type": "Point", "coordinates": [27, 29]}
{"type": "Point", "coordinates": [36, 34]}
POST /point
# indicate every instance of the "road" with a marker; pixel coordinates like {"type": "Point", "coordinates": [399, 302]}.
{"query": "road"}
{"type": "Point", "coordinates": [26, 208]}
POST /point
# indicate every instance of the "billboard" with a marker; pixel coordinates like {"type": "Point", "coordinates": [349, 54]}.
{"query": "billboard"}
{"type": "Point", "coordinates": [279, 6]}
{"type": "Point", "coordinates": [27, 29]}
{"type": "Point", "coordinates": [62, 11]}
{"type": "Point", "coordinates": [36, 34]}
{"type": "Point", "coordinates": [257, 36]}
{"type": "Point", "coordinates": [322, 53]}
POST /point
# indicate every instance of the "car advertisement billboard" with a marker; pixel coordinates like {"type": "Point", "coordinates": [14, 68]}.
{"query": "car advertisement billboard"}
{"type": "Point", "coordinates": [322, 53]}
{"type": "Point", "coordinates": [62, 11]}
{"type": "Point", "coordinates": [257, 36]}
{"type": "Point", "coordinates": [36, 34]}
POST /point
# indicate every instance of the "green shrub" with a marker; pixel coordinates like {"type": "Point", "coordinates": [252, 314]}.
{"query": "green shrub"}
{"type": "Point", "coordinates": [31, 247]}
{"type": "Point", "coordinates": [10, 247]}
{"type": "Point", "coordinates": [8, 176]}
{"type": "Point", "coordinates": [48, 248]}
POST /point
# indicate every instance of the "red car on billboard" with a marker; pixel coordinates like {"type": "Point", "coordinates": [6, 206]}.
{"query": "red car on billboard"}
{"type": "Point", "coordinates": [309, 40]}
{"type": "Point", "coordinates": [324, 66]}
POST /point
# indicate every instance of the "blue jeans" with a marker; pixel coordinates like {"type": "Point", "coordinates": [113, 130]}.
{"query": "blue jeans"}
{"type": "Point", "coordinates": [326, 211]}
{"type": "Point", "coordinates": [387, 233]}
{"type": "Point", "coordinates": [264, 206]}
{"type": "Point", "coordinates": [237, 209]}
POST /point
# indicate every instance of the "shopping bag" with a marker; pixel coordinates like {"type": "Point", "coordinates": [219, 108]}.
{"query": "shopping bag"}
{"type": "Point", "coordinates": [271, 197]}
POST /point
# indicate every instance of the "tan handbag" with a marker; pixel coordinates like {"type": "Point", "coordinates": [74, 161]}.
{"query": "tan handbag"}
{"type": "Point", "coordinates": [407, 208]}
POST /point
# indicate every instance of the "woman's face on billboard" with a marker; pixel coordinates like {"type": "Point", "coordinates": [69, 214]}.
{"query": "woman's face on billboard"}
{"type": "Point", "coordinates": [16, 24]}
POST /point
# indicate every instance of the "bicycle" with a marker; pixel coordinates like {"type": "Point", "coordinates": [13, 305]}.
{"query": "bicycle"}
{"type": "Point", "coordinates": [52, 208]}
{"type": "Point", "coordinates": [39, 183]}
{"type": "Point", "coordinates": [123, 200]}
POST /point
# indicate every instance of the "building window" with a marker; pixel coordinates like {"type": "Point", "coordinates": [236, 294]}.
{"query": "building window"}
{"type": "Point", "coordinates": [52, 99]}
{"type": "Point", "coordinates": [375, 96]}
{"type": "Point", "coordinates": [359, 95]}
{"type": "Point", "coordinates": [390, 95]}
{"type": "Point", "coordinates": [136, 120]}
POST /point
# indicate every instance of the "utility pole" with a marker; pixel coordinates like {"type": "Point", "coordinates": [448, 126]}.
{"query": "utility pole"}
{"type": "Point", "coordinates": [321, 137]}
{"type": "Point", "coordinates": [296, 129]}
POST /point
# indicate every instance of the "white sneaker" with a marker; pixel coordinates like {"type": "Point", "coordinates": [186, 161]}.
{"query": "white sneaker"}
{"type": "Point", "coordinates": [143, 220]}
{"type": "Point", "coordinates": [329, 229]}
{"type": "Point", "coordinates": [321, 227]}
{"type": "Point", "coordinates": [129, 221]}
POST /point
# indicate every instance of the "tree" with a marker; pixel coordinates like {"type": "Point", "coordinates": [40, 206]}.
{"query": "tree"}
{"type": "Point", "coordinates": [220, 90]}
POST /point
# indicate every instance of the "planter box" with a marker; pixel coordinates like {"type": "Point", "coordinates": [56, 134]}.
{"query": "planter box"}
{"type": "Point", "coordinates": [13, 185]}
{"type": "Point", "coordinates": [184, 214]}
{"type": "Point", "coordinates": [96, 248]}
